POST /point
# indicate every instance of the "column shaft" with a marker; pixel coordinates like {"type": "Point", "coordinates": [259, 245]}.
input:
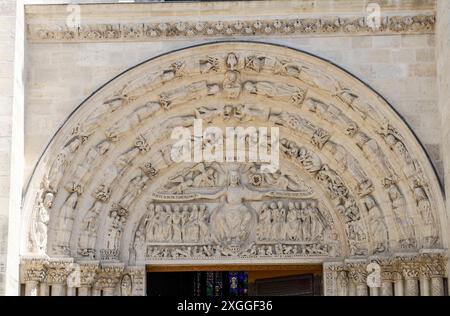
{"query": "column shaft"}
{"type": "Point", "coordinates": [84, 291]}
{"type": "Point", "coordinates": [386, 288]}
{"type": "Point", "coordinates": [44, 289]}
{"type": "Point", "coordinates": [361, 289]}
{"type": "Point", "coordinates": [351, 288]}
{"type": "Point", "coordinates": [424, 286]}
{"type": "Point", "coordinates": [108, 291]}
{"type": "Point", "coordinates": [411, 287]}
{"type": "Point", "coordinates": [31, 288]}
{"type": "Point", "coordinates": [437, 286]}
{"type": "Point", "coordinates": [95, 292]}
{"type": "Point", "coordinates": [399, 291]}
{"type": "Point", "coordinates": [374, 291]}
{"type": "Point", "coordinates": [58, 289]}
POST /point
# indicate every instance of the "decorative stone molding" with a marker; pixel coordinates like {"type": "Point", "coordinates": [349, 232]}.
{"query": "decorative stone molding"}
{"type": "Point", "coordinates": [108, 277]}
{"type": "Point", "coordinates": [349, 165]}
{"type": "Point", "coordinates": [411, 24]}
{"type": "Point", "coordinates": [58, 270]}
{"type": "Point", "coordinates": [138, 276]}
{"type": "Point", "coordinates": [34, 269]}
{"type": "Point", "coordinates": [88, 272]}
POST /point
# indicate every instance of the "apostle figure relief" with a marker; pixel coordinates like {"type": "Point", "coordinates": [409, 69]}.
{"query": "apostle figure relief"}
{"type": "Point", "coordinates": [213, 210]}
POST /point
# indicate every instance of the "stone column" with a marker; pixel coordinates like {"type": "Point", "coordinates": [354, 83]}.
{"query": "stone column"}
{"type": "Point", "coordinates": [332, 286]}
{"type": "Point", "coordinates": [387, 276]}
{"type": "Point", "coordinates": [44, 289]}
{"type": "Point", "coordinates": [109, 277]}
{"type": "Point", "coordinates": [399, 288]}
{"type": "Point", "coordinates": [84, 291]}
{"type": "Point", "coordinates": [357, 274]}
{"type": "Point", "coordinates": [138, 276]}
{"type": "Point", "coordinates": [411, 272]}
{"type": "Point", "coordinates": [71, 291]}
{"type": "Point", "coordinates": [95, 291]}
{"type": "Point", "coordinates": [34, 272]}
{"type": "Point", "coordinates": [342, 283]}
{"type": "Point", "coordinates": [351, 288]}
{"type": "Point", "coordinates": [58, 271]}
{"type": "Point", "coordinates": [437, 264]}
{"type": "Point", "coordinates": [88, 272]}
{"type": "Point", "coordinates": [386, 288]}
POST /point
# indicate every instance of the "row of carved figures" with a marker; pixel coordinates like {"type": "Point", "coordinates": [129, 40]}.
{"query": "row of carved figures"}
{"type": "Point", "coordinates": [174, 223]}
{"type": "Point", "coordinates": [217, 251]}
{"type": "Point", "coordinates": [299, 221]}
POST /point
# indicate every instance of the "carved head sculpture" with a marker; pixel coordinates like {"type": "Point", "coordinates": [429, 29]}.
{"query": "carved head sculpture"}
{"type": "Point", "coordinates": [394, 193]}
{"type": "Point", "coordinates": [291, 206]}
{"type": "Point", "coordinates": [151, 207]}
{"type": "Point", "coordinates": [125, 286]}
{"type": "Point", "coordinates": [234, 179]}
{"type": "Point", "coordinates": [75, 144]}
{"type": "Point", "coordinates": [48, 200]}
{"type": "Point", "coordinates": [213, 89]}
{"type": "Point", "coordinates": [232, 61]}
{"type": "Point", "coordinates": [370, 203]}
{"type": "Point", "coordinates": [227, 112]}
{"type": "Point", "coordinates": [250, 87]}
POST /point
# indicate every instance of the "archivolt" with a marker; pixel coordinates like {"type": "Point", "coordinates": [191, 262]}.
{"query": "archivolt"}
{"type": "Point", "coordinates": [375, 185]}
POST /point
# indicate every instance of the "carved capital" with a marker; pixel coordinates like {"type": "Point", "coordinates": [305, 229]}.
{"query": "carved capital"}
{"type": "Point", "coordinates": [409, 266]}
{"type": "Point", "coordinates": [357, 271]}
{"type": "Point", "coordinates": [88, 272]}
{"type": "Point", "coordinates": [59, 270]}
{"type": "Point", "coordinates": [34, 269]}
{"type": "Point", "coordinates": [434, 264]}
{"type": "Point", "coordinates": [109, 275]}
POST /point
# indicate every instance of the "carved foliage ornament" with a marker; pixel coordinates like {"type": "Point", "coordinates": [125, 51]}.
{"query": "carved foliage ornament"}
{"type": "Point", "coordinates": [269, 27]}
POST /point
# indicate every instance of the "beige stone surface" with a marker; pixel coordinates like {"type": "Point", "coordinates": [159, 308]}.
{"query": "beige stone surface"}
{"type": "Point", "coordinates": [7, 26]}
{"type": "Point", "coordinates": [409, 67]}
{"type": "Point", "coordinates": [61, 76]}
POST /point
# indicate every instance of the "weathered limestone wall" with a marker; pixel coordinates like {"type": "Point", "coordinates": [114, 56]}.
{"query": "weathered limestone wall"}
{"type": "Point", "coordinates": [402, 68]}
{"type": "Point", "coordinates": [7, 26]}
{"type": "Point", "coordinates": [443, 65]}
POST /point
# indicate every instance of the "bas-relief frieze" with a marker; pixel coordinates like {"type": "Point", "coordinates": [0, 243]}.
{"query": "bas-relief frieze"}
{"type": "Point", "coordinates": [409, 24]}
{"type": "Point", "coordinates": [361, 159]}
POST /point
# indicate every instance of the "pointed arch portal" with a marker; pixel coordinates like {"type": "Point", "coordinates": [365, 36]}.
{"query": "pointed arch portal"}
{"type": "Point", "coordinates": [354, 185]}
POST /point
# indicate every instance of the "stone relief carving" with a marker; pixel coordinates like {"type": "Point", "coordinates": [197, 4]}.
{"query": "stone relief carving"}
{"type": "Point", "coordinates": [194, 91]}
{"type": "Point", "coordinates": [349, 163]}
{"type": "Point", "coordinates": [294, 222]}
{"type": "Point", "coordinates": [202, 29]}
{"type": "Point", "coordinates": [277, 91]}
{"type": "Point", "coordinates": [405, 225]}
{"type": "Point", "coordinates": [430, 230]}
{"type": "Point", "coordinates": [377, 226]}
{"type": "Point", "coordinates": [179, 230]}
{"type": "Point", "coordinates": [40, 225]}
{"type": "Point", "coordinates": [65, 224]}
{"type": "Point", "coordinates": [132, 120]}
{"type": "Point", "coordinates": [318, 136]}
{"type": "Point", "coordinates": [86, 242]}
{"type": "Point", "coordinates": [332, 115]}
{"type": "Point", "coordinates": [56, 171]}
{"type": "Point", "coordinates": [191, 221]}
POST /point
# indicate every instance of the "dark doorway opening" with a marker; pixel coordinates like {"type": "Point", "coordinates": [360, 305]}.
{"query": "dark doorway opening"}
{"type": "Point", "coordinates": [234, 281]}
